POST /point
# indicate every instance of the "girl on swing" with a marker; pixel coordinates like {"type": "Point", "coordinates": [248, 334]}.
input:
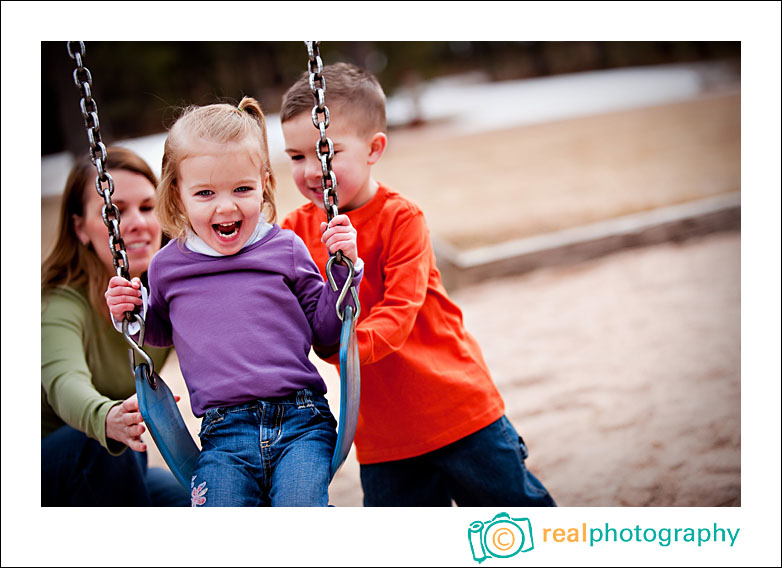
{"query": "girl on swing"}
{"type": "Point", "coordinates": [242, 302]}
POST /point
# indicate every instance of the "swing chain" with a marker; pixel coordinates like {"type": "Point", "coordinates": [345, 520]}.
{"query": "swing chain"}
{"type": "Point", "coordinates": [98, 154]}
{"type": "Point", "coordinates": [324, 147]}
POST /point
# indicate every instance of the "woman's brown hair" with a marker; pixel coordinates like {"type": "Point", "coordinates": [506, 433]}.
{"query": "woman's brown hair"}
{"type": "Point", "coordinates": [71, 263]}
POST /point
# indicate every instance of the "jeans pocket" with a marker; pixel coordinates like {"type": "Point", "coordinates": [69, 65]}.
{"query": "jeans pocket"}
{"type": "Point", "coordinates": [321, 409]}
{"type": "Point", "coordinates": [512, 437]}
{"type": "Point", "coordinates": [212, 417]}
{"type": "Point", "coordinates": [523, 448]}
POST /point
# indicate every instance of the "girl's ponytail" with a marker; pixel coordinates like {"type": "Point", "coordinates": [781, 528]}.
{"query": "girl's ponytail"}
{"type": "Point", "coordinates": [252, 107]}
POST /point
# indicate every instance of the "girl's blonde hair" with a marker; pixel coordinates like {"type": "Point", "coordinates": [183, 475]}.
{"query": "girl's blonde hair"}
{"type": "Point", "coordinates": [71, 263]}
{"type": "Point", "coordinates": [221, 123]}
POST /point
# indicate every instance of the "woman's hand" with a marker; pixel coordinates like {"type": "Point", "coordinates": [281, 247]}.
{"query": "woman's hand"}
{"type": "Point", "coordinates": [123, 296]}
{"type": "Point", "coordinates": [340, 235]}
{"type": "Point", "coordinates": [125, 424]}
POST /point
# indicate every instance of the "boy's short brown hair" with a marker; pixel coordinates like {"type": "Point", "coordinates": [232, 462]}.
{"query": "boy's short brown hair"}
{"type": "Point", "coordinates": [348, 87]}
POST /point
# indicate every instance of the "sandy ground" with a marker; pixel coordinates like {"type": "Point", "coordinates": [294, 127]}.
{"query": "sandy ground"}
{"type": "Point", "coordinates": [621, 373]}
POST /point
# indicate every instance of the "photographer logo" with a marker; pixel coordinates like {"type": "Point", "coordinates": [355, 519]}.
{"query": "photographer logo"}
{"type": "Point", "coordinates": [501, 537]}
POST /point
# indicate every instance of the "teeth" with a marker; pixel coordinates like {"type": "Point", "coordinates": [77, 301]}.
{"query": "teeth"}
{"type": "Point", "coordinates": [136, 246]}
{"type": "Point", "coordinates": [222, 227]}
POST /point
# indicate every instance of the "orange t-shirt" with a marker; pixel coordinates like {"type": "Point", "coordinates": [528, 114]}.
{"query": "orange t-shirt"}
{"type": "Point", "coordinates": [424, 383]}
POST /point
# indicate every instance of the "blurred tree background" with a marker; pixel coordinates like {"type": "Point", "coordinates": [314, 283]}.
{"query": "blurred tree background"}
{"type": "Point", "coordinates": [139, 86]}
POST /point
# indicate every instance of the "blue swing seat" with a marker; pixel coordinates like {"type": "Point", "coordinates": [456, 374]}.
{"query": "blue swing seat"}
{"type": "Point", "coordinates": [167, 428]}
{"type": "Point", "coordinates": [165, 425]}
{"type": "Point", "coordinates": [350, 390]}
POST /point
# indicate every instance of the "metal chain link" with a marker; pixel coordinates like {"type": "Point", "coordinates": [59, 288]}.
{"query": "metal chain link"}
{"type": "Point", "coordinates": [104, 184]}
{"type": "Point", "coordinates": [324, 148]}
{"type": "Point", "coordinates": [110, 214]}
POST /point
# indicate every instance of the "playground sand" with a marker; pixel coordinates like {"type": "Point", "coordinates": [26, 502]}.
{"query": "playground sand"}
{"type": "Point", "coordinates": [622, 373]}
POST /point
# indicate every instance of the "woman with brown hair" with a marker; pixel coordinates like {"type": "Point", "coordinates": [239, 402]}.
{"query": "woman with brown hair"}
{"type": "Point", "coordinates": [91, 448]}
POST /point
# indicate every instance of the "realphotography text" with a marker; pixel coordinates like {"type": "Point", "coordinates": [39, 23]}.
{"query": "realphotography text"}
{"type": "Point", "coordinates": [662, 536]}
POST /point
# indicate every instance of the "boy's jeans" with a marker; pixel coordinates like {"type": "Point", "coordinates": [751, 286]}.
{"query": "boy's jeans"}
{"type": "Point", "coordinates": [484, 469]}
{"type": "Point", "coordinates": [267, 452]}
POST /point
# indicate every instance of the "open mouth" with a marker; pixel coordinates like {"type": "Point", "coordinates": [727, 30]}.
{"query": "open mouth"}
{"type": "Point", "coordinates": [227, 230]}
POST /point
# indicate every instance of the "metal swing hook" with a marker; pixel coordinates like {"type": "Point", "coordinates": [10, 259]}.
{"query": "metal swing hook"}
{"type": "Point", "coordinates": [347, 286]}
{"type": "Point", "coordinates": [137, 347]}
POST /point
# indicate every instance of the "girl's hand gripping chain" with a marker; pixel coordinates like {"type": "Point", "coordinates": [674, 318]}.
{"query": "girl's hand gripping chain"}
{"type": "Point", "coordinates": [124, 422]}
{"type": "Point", "coordinates": [123, 296]}
{"type": "Point", "coordinates": [339, 234]}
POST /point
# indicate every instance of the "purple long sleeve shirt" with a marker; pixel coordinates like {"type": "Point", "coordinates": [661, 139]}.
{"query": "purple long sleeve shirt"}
{"type": "Point", "coordinates": [243, 324]}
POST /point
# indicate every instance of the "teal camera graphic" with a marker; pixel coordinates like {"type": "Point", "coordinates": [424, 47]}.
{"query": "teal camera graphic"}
{"type": "Point", "coordinates": [502, 537]}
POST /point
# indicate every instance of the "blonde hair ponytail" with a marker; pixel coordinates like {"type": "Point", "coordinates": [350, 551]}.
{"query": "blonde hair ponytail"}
{"type": "Point", "coordinates": [252, 107]}
{"type": "Point", "coordinates": [221, 123]}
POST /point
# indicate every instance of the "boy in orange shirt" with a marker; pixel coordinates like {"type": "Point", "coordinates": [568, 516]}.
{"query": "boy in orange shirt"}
{"type": "Point", "coordinates": [432, 425]}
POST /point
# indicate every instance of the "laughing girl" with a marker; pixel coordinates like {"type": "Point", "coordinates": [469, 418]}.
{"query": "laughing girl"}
{"type": "Point", "coordinates": [242, 302]}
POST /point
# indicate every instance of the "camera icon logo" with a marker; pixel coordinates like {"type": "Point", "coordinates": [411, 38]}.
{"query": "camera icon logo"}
{"type": "Point", "coordinates": [501, 537]}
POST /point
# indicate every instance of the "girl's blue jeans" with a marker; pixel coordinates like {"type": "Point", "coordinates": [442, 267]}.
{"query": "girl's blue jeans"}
{"type": "Point", "coordinates": [269, 452]}
{"type": "Point", "coordinates": [76, 471]}
{"type": "Point", "coordinates": [484, 469]}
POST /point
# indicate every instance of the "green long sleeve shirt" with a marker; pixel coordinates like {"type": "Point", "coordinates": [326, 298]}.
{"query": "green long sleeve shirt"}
{"type": "Point", "coordinates": [85, 368]}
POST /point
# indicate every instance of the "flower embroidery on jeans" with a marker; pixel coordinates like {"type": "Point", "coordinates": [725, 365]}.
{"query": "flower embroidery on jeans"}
{"type": "Point", "coordinates": [197, 494]}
